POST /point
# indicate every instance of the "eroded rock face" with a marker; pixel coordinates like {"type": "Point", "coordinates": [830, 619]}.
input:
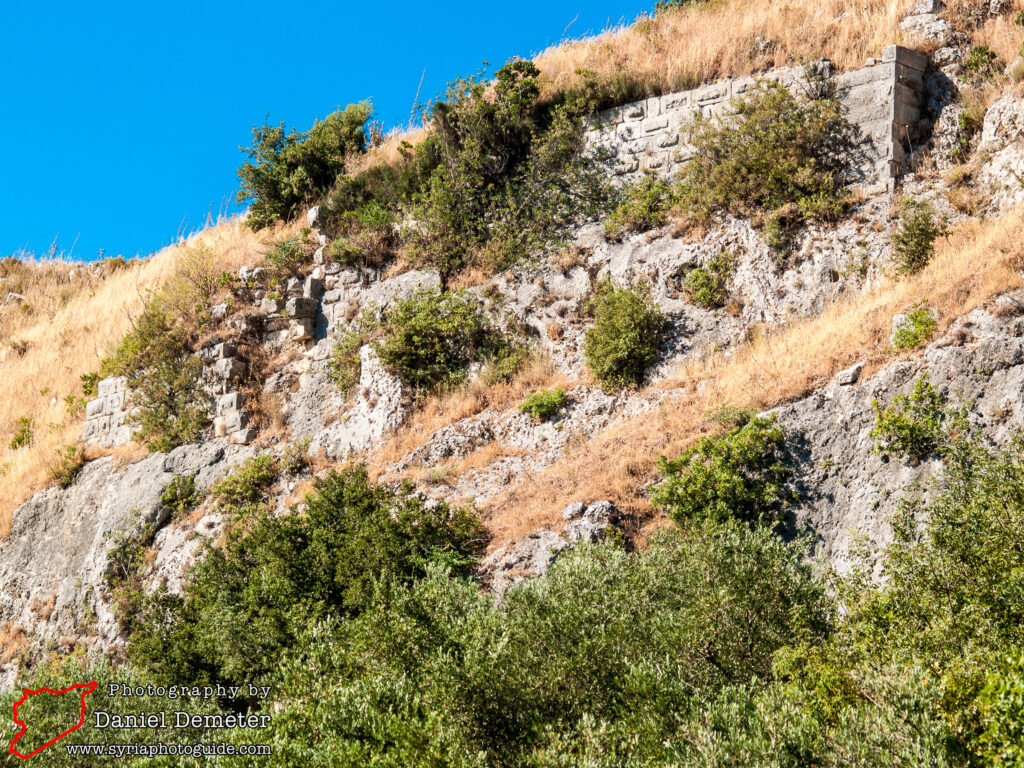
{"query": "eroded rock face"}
{"type": "Point", "coordinates": [53, 563]}
{"type": "Point", "coordinates": [533, 555]}
{"type": "Point", "coordinates": [850, 492]}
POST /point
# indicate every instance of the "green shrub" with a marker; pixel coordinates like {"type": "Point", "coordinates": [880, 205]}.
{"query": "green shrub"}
{"type": "Point", "coordinates": [180, 497]}
{"type": "Point", "coordinates": [295, 457]}
{"type": "Point", "coordinates": [913, 425]}
{"type": "Point", "coordinates": [367, 236]}
{"type": "Point", "coordinates": [624, 340]}
{"type": "Point", "coordinates": [778, 157]}
{"type": "Point", "coordinates": [970, 123]}
{"type": "Point", "coordinates": [1002, 707]}
{"type": "Point", "coordinates": [981, 63]}
{"type": "Point", "coordinates": [743, 474]}
{"type": "Point", "coordinates": [511, 177]}
{"type": "Point", "coordinates": [707, 286]}
{"type": "Point", "coordinates": [287, 170]}
{"type": "Point", "coordinates": [66, 466]}
{"type": "Point", "coordinates": [244, 493]}
{"type": "Point", "coordinates": [644, 206]}
{"type": "Point", "coordinates": [917, 328]}
{"type": "Point", "coordinates": [90, 383]}
{"type": "Point", "coordinates": [544, 406]}
{"type": "Point", "coordinates": [23, 435]}
{"type": "Point", "coordinates": [167, 398]}
{"type": "Point", "coordinates": [603, 661]}
{"type": "Point", "coordinates": [287, 257]}
{"type": "Point", "coordinates": [244, 605]}
{"type": "Point", "coordinates": [914, 237]}
{"type": "Point", "coordinates": [430, 339]}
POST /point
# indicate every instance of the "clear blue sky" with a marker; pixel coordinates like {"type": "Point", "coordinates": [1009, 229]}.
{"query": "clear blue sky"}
{"type": "Point", "coordinates": [120, 121]}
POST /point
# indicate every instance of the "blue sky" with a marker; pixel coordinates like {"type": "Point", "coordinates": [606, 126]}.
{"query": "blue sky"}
{"type": "Point", "coordinates": [121, 121]}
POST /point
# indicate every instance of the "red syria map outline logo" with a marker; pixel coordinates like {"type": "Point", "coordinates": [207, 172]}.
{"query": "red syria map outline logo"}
{"type": "Point", "coordinates": [87, 688]}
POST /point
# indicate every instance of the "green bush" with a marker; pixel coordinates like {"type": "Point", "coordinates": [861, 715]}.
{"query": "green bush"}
{"type": "Point", "coordinates": [544, 406]}
{"type": "Point", "coordinates": [1002, 707]}
{"type": "Point", "coordinates": [913, 425]}
{"type": "Point", "coordinates": [244, 493]}
{"type": "Point", "coordinates": [23, 436]}
{"type": "Point", "coordinates": [744, 474]}
{"type": "Point", "coordinates": [624, 340]}
{"type": "Point", "coordinates": [981, 63]}
{"type": "Point", "coordinates": [287, 170]}
{"type": "Point", "coordinates": [913, 239]}
{"type": "Point", "coordinates": [180, 497]}
{"type": "Point", "coordinates": [618, 646]}
{"type": "Point", "coordinates": [644, 206]}
{"type": "Point", "coordinates": [244, 605]}
{"type": "Point", "coordinates": [367, 236]}
{"type": "Point", "coordinates": [918, 327]}
{"type": "Point", "coordinates": [707, 286]}
{"type": "Point", "coordinates": [511, 175]}
{"type": "Point", "coordinates": [430, 339]}
{"type": "Point", "coordinates": [287, 257]}
{"type": "Point", "coordinates": [778, 157]}
{"type": "Point", "coordinates": [344, 365]}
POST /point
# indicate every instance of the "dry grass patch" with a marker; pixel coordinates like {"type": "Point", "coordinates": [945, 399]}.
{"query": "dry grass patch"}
{"type": "Point", "coordinates": [701, 42]}
{"type": "Point", "coordinates": [73, 323]}
{"type": "Point", "coordinates": [975, 263]}
{"type": "Point", "coordinates": [444, 410]}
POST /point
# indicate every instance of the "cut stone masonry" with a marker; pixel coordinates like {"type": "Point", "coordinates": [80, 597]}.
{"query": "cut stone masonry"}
{"type": "Point", "coordinates": [883, 100]}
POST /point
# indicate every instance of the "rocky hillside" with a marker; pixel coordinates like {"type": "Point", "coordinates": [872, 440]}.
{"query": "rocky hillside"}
{"type": "Point", "coordinates": [838, 312]}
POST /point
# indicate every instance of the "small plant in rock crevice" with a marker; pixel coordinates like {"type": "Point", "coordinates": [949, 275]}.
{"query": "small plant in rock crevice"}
{"type": "Point", "coordinates": [23, 435]}
{"type": "Point", "coordinates": [707, 286]}
{"type": "Point", "coordinates": [917, 424]}
{"type": "Point", "coordinates": [643, 206]}
{"type": "Point", "coordinates": [917, 327]}
{"type": "Point", "coordinates": [545, 405]}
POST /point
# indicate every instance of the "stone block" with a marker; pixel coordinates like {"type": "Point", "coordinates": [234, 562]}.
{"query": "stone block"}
{"type": "Point", "coordinates": [118, 419]}
{"type": "Point", "coordinates": [333, 296]}
{"type": "Point", "coordinates": [710, 94]}
{"type": "Point", "coordinates": [114, 402]}
{"type": "Point", "coordinates": [742, 85]}
{"type": "Point", "coordinates": [653, 107]}
{"type": "Point", "coordinates": [243, 437]}
{"type": "Point", "coordinates": [667, 140]}
{"type": "Point", "coordinates": [675, 101]}
{"type": "Point", "coordinates": [298, 306]}
{"type": "Point", "coordinates": [636, 147]}
{"type": "Point", "coordinates": [348, 276]}
{"type": "Point", "coordinates": [229, 402]}
{"type": "Point", "coordinates": [656, 161]}
{"type": "Point", "coordinates": [224, 349]}
{"type": "Point", "coordinates": [906, 57]}
{"type": "Point", "coordinates": [627, 132]}
{"type": "Point", "coordinates": [904, 114]}
{"type": "Point", "coordinates": [313, 216]}
{"type": "Point", "coordinates": [271, 306]}
{"type": "Point", "coordinates": [294, 285]}
{"type": "Point", "coordinates": [95, 407]}
{"type": "Point", "coordinates": [219, 311]}
{"type": "Point", "coordinates": [320, 255]}
{"type": "Point", "coordinates": [653, 124]}
{"type": "Point", "coordinates": [251, 274]}
{"type": "Point", "coordinates": [849, 376]}
{"type": "Point", "coordinates": [235, 420]}
{"type": "Point", "coordinates": [626, 167]}
{"type": "Point", "coordinates": [313, 288]}
{"type": "Point", "coordinates": [276, 322]}
{"type": "Point", "coordinates": [109, 385]}
{"type": "Point", "coordinates": [230, 368]}
{"type": "Point", "coordinates": [911, 78]}
{"type": "Point", "coordinates": [302, 329]}
{"type": "Point", "coordinates": [635, 111]}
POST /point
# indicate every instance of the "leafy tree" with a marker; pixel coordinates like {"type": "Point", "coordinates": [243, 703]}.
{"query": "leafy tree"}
{"type": "Point", "coordinates": [244, 605]}
{"type": "Point", "coordinates": [286, 170]}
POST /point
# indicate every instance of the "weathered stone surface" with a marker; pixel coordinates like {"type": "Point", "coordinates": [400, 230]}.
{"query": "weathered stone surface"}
{"type": "Point", "coordinates": [59, 539]}
{"type": "Point", "coordinates": [313, 216]}
{"type": "Point", "coordinates": [230, 368]}
{"type": "Point", "coordinates": [849, 376]}
{"type": "Point", "coordinates": [298, 306]}
{"type": "Point", "coordinates": [532, 556]}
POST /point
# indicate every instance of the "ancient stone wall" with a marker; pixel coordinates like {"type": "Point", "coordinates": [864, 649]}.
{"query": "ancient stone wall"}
{"type": "Point", "coordinates": [883, 100]}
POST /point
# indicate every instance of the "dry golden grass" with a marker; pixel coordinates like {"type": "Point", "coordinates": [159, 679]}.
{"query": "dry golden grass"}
{"type": "Point", "coordinates": [978, 261]}
{"type": "Point", "coordinates": [701, 42]}
{"type": "Point", "coordinates": [440, 411]}
{"type": "Point", "coordinates": [64, 329]}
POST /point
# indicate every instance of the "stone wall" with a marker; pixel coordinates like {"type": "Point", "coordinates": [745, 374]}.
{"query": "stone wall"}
{"type": "Point", "coordinates": [883, 100]}
{"type": "Point", "coordinates": [106, 416]}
